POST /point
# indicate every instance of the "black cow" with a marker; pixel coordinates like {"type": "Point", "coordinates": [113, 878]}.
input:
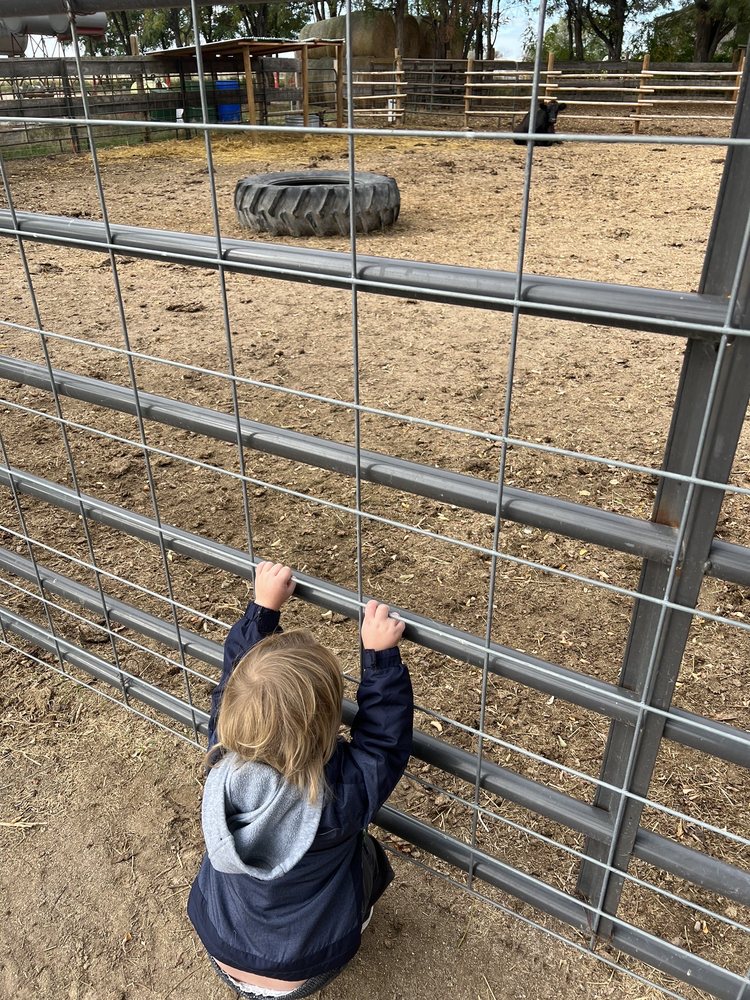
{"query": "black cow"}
{"type": "Point", "coordinates": [546, 116]}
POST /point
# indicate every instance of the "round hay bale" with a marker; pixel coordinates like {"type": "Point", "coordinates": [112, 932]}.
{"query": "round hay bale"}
{"type": "Point", "coordinates": [373, 35]}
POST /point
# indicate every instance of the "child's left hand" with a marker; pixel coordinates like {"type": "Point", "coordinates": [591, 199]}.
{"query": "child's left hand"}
{"type": "Point", "coordinates": [273, 585]}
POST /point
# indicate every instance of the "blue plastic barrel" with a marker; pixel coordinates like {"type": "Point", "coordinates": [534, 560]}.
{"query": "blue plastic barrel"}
{"type": "Point", "coordinates": [228, 105]}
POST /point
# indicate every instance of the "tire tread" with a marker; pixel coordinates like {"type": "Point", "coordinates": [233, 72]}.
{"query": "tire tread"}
{"type": "Point", "coordinates": [283, 205]}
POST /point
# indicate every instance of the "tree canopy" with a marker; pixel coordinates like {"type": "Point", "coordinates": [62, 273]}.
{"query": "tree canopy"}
{"type": "Point", "coordinates": [161, 29]}
{"type": "Point", "coordinates": [562, 41]}
{"type": "Point", "coordinates": [472, 23]}
{"type": "Point", "coordinates": [700, 31]}
{"type": "Point", "coordinates": [593, 30]}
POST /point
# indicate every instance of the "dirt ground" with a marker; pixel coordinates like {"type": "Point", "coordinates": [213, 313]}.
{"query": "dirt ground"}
{"type": "Point", "coordinates": [107, 874]}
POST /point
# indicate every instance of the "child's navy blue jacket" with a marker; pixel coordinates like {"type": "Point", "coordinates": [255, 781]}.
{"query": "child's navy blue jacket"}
{"type": "Point", "coordinates": [308, 921]}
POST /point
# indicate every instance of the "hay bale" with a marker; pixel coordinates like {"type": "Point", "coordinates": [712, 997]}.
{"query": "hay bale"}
{"type": "Point", "coordinates": [373, 35]}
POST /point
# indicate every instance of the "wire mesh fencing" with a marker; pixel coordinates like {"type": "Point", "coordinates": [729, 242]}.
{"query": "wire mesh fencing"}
{"type": "Point", "coordinates": [575, 762]}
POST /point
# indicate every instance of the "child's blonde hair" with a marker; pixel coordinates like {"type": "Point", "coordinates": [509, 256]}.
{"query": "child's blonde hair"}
{"type": "Point", "coordinates": [282, 707]}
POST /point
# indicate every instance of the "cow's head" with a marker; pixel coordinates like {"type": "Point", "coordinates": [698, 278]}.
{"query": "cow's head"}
{"type": "Point", "coordinates": [553, 109]}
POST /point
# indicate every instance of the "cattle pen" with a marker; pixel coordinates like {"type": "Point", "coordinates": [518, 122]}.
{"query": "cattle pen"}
{"type": "Point", "coordinates": [292, 82]}
{"type": "Point", "coordinates": [519, 417]}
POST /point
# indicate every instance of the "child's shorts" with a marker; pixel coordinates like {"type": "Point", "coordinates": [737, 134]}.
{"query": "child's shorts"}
{"type": "Point", "coordinates": [305, 990]}
{"type": "Point", "coordinates": [376, 875]}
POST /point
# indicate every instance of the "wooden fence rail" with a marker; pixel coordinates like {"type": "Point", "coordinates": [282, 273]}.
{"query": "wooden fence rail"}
{"type": "Point", "coordinates": [627, 96]}
{"type": "Point", "coordinates": [628, 93]}
{"type": "Point", "coordinates": [380, 93]}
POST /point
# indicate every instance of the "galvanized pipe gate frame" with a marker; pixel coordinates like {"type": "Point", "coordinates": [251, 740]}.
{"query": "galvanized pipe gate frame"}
{"type": "Point", "coordinates": [678, 546]}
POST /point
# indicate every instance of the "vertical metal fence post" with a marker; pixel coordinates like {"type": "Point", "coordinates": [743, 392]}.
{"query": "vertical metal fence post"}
{"type": "Point", "coordinates": [506, 418]}
{"type": "Point", "coordinates": [350, 145]}
{"type": "Point", "coordinates": [723, 264]}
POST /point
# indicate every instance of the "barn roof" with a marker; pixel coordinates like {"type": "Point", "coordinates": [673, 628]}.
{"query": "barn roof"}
{"type": "Point", "coordinates": [234, 49]}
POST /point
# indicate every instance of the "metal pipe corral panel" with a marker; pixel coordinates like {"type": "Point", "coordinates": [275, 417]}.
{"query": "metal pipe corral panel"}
{"type": "Point", "coordinates": [648, 309]}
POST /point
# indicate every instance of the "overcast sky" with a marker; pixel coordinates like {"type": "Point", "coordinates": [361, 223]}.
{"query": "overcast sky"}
{"type": "Point", "coordinates": [509, 43]}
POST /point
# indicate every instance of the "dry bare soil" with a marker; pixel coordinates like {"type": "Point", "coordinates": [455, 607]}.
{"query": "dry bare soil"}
{"type": "Point", "coordinates": [101, 837]}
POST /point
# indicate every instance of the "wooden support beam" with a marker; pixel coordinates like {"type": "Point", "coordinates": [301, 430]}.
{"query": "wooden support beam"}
{"type": "Point", "coordinates": [400, 88]}
{"type": "Point", "coordinates": [549, 86]}
{"type": "Point", "coordinates": [252, 115]}
{"type": "Point", "coordinates": [340, 85]}
{"type": "Point", "coordinates": [467, 90]}
{"type": "Point", "coordinates": [738, 81]}
{"type": "Point", "coordinates": [646, 78]}
{"type": "Point", "coordinates": [135, 50]}
{"type": "Point", "coordinates": [305, 88]}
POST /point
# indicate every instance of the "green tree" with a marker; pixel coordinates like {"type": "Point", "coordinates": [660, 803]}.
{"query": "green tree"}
{"type": "Point", "coordinates": [604, 22]}
{"type": "Point", "coordinates": [163, 28]}
{"type": "Point", "coordinates": [714, 21]}
{"type": "Point", "coordinates": [323, 9]}
{"type": "Point", "coordinates": [560, 41]}
{"type": "Point", "coordinates": [702, 31]}
{"type": "Point", "coordinates": [272, 20]}
{"type": "Point", "coordinates": [667, 38]}
{"type": "Point", "coordinates": [573, 15]}
{"type": "Point", "coordinates": [575, 27]}
{"type": "Point", "coordinates": [120, 26]}
{"type": "Point", "coordinates": [609, 20]}
{"type": "Point", "coordinates": [460, 25]}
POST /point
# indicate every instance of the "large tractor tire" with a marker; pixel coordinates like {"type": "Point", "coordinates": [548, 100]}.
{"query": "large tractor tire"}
{"type": "Point", "coordinates": [315, 202]}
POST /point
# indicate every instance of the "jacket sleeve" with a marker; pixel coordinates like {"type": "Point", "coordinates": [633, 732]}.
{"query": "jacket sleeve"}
{"type": "Point", "coordinates": [381, 733]}
{"type": "Point", "coordinates": [255, 624]}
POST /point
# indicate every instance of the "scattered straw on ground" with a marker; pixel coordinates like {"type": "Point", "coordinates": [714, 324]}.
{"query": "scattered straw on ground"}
{"type": "Point", "coordinates": [228, 150]}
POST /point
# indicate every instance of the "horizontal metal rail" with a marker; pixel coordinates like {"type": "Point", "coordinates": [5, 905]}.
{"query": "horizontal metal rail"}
{"type": "Point", "coordinates": [627, 534]}
{"type": "Point", "coordinates": [590, 693]}
{"type": "Point", "coordinates": [722, 741]}
{"type": "Point", "coordinates": [632, 940]}
{"type": "Point", "coordinates": [490, 135]}
{"type": "Point", "coordinates": [649, 309]}
{"type": "Point", "coordinates": [661, 852]}
{"type": "Point", "coordinates": [693, 866]}
{"type": "Point", "coordinates": [645, 539]}
{"type": "Point", "coordinates": [89, 598]}
{"type": "Point", "coordinates": [20, 68]}
{"type": "Point", "coordinates": [100, 670]}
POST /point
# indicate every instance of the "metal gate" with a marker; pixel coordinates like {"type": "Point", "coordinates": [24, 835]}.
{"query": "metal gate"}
{"type": "Point", "coordinates": [678, 545]}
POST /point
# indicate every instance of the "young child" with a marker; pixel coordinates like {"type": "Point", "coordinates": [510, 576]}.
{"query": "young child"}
{"type": "Point", "coordinates": [290, 874]}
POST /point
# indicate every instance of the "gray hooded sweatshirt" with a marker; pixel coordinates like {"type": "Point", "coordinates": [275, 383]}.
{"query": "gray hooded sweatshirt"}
{"type": "Point", "coordinates": [254, 821]}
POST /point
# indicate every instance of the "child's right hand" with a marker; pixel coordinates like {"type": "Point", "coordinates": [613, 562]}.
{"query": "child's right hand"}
{"type": "Point", "coordinates": [378, 630]}
{"type": "Point", "coordinates": [273, 585]}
